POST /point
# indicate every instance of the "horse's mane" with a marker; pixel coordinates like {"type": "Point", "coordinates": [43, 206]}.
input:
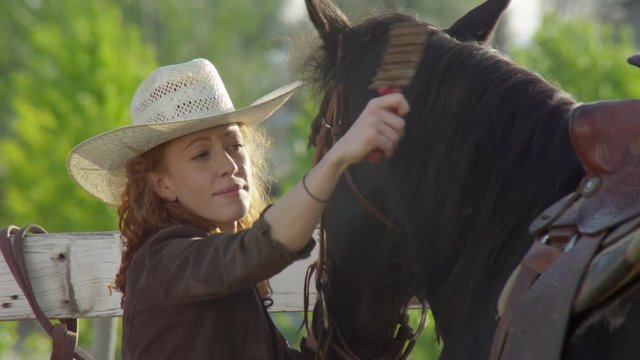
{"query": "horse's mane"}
{"type": "Point", "coordinates": [483, 138]}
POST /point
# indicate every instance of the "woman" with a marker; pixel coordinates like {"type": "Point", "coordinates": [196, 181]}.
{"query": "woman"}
{"type": "Point", "coordinates": [187, 180]}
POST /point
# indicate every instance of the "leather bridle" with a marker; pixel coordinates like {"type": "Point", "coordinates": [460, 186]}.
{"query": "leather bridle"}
{"type": "Point", "coordinates": [332, 128]}
{"type": "Point", "coordinates": [64, 334]}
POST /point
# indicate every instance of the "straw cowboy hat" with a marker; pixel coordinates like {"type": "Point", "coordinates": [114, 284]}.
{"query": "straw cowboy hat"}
{"type": "Point", "coordinates": [172, 101]}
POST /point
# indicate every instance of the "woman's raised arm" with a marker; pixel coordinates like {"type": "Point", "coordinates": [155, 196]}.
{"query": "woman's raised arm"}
{"type": "Point", "coordinates": [380, 126]}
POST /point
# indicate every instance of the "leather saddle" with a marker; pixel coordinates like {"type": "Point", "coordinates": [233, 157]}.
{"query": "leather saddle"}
{"type": "Point", "coordinates": [587, 247]}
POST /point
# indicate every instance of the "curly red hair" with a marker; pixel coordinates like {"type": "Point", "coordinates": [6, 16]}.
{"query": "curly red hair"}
{"type": "Point", "coordinates": [143, 213]}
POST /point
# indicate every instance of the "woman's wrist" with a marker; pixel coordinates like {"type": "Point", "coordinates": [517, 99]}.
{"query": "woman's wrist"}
{"type": "Point", "coordinates": [306, 189]}
{"type": "Point", "coordinates": [321, 180]}
{"type": "Point", "coordinates": [336, 163]}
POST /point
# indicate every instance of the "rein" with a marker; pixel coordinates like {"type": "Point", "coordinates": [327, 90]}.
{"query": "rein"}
{"type": "Point", "coordinates": [64, 335]}
{"type": "Point", "coordinates": [332, 128]}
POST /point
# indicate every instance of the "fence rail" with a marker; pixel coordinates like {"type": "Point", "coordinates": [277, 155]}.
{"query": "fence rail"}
{"type": "Point", "coordinates": [70, 274]}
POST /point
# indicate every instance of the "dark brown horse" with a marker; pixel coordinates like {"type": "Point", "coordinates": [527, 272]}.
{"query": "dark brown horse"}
{"type": "Point", "coordinates": [486, 149]}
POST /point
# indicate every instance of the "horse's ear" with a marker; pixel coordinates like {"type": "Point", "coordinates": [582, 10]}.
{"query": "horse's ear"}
{"type": "Point", "coordinates": [634, 60]}
{"type": "Point", "coordinates": [479, 23]}
{"type": "Point", "coordinates": [327, 18]}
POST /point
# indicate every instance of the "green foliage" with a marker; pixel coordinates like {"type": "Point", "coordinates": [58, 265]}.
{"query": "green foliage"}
{"type": "Point", "coordinates": [241, 38]}
{"type": "Point", "coordinates": [37, 345]}
{"type": "Point", "coordinates": [289, 323]}
{"type": "Point", "coordinates": [14, 17]}
{"type": "Point", "coordinates": [439, 13]}
{"type": "Point", "coordinates": [83, 67]}
{"type": "Point", "coordinates": [301, 155]}
{"type": "Point", "coordinates": [8, 336]}
{"type": "Point", "coordinates": [588, 60]}
{"type": "Point", "coordinates": [428, 346]}
{"type": "Point", "coordinates": [34, 345]}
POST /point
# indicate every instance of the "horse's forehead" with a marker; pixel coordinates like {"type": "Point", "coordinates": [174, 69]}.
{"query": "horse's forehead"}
{"type": "Point", "coordinates": [377, 28]}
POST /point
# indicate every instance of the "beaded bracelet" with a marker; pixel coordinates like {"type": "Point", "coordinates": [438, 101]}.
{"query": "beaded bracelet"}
{"type": "Point", "coordinates": [304, 185]}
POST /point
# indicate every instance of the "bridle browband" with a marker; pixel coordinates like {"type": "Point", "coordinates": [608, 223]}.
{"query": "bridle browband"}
{"type": "Point", "coordinates": [331, 129]}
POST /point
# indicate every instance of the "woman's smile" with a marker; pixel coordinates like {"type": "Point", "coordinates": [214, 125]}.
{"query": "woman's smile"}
{"type": "Point", "coordinates": [232, 191]}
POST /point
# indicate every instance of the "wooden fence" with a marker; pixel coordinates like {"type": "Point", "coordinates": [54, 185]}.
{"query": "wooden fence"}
{"type": "Point", "coordinates": [70, 274]}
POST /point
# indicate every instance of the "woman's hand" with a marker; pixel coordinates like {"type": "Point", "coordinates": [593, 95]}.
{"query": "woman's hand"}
{"type": "Point", "coordinates": [379, 126]}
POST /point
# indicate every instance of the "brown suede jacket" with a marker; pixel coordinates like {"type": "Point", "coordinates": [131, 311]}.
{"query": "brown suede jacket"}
{"type": "Point", "coordinates": [191, 296]}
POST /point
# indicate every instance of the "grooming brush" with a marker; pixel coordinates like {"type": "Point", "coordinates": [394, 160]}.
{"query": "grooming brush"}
{"type": "Point", "coordinates": [406, 43]}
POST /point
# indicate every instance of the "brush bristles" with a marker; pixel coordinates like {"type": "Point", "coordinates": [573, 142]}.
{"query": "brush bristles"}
{"type": "Point", "coordinates": [404, 52]}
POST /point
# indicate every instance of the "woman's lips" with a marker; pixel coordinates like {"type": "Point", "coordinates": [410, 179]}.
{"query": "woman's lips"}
{"type": "Point", "coordinates": [231, 190]}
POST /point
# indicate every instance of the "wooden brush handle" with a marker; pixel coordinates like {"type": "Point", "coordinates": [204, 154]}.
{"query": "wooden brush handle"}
{"type": "Point", "coordinates": [377, 155]}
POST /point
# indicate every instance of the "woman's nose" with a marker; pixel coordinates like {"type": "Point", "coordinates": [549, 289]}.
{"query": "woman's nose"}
{"type": "Point", "coordinates": [227, 165]}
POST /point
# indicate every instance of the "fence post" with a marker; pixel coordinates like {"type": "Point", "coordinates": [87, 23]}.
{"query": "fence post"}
{"type": "Point", "coordinates": [104, 338]}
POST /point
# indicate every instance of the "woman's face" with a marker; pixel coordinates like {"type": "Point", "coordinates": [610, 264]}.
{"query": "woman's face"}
{"type": "Point", "coordinates": [209, 173]}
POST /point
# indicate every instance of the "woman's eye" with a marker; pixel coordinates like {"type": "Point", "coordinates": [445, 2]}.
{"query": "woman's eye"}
{"type": "Point", "coordinates": [201, 155]}
{"type": "Point", "coordinates": [237, 146]}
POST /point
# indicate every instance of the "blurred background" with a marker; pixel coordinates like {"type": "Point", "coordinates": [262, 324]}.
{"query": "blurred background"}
{"type": "Point", "coordinates": [68, 69]}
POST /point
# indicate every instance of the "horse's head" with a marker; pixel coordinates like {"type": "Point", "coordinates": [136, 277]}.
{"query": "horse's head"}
{"type": "Point", "coordinates": [371, 275]}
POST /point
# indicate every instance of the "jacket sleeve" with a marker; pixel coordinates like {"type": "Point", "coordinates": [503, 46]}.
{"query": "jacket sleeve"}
{"type": "Point", "coordinates": [187, 264]}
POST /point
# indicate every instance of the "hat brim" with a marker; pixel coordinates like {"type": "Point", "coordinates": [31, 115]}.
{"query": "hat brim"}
{"type": "Point", "coordinates": [97, 164]}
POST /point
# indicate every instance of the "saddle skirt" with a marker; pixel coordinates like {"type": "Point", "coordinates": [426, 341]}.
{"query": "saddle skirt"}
{"type": "Point", "coordinates": [587, 246]}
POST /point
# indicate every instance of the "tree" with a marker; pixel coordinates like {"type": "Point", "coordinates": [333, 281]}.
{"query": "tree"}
{"type": "Point", "coordinates": [79, 66]}
{"type": "Point", "coordinates": [612, 12]}
{"type": "Point", "coordinates": [15, 16]}
{"type": "Point", "coordinates": [69, 87]}
{"type": "Point", "coordinates": [83, 67]}
{"type": "Point", "coordinates": [586, 59]}
{"type": "Point", "coordinates": [439, 13]}
{"type": "Point", "coordinates": [243, 39]}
